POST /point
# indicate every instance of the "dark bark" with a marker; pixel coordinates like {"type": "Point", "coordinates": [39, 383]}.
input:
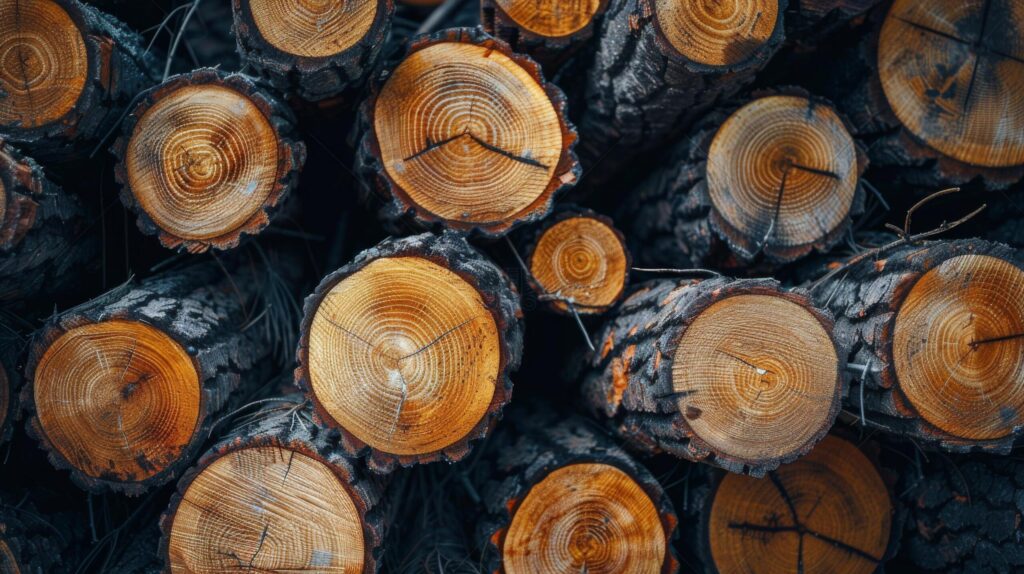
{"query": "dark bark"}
{"type": "Point", "coordinates": [809, 21]}
{"type": "Point", "coordinates": [33, 542]}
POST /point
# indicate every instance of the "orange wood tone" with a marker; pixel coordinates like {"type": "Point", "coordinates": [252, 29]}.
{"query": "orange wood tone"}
{"type": "Point", "coordinates": [551, 18]}
{"type": "Point", "coordinates": [716, 32]}
{"type": "Point", "coordinates": [313, 28]}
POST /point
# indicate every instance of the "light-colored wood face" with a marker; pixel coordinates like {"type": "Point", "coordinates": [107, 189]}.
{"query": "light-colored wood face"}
{"type": "Point", "coordinates": [467, 133]}
{"type": "Point", "coordinates": [951, 359]}
{"type": "Point", "coordinates": [551, 18]}
{"type": "Point", "coordinates": [788, 148]}
{"type": "Point", "coordinates": [43, 63]}
{"type": "Point", "coordinates": [313, 28]}
{"type": "Point", "coordinates": [583, 259]}
{"type": "Point", "coordinates": [716, 32]}
{"type": "Point", "coordinates": [759, 373]}
{"type": "Point", "coordinates": [404, 355]}
{"type": "Point", "coordinates": [118, 399]}
{"type": "Point", "coordinates": [3, 202]}
{"type": "Point", "coordinates": [266, 509]}
{"type": "Point", "coordinates": [953, 72]}
{"type": "Point", "coordinates": [586, 517]}
{"type": "Point", "coordinates": [202, 161]}
{"type": "Point", "coordinates": [837, 519]}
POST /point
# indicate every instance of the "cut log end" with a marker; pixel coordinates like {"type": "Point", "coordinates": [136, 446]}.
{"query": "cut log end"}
{"type": "Point", "coordinates": [953, 73]}
{"type": "Point", "coordinates": [594, 518]}
{"type": "Point", "coordinates": [205, 162]}
{"type": "Point", "coordinates": [581, 258]}
{"type": "Point", "coordinates": [313, 29]}
{"type": "Point", "coordinates": [470, 136]}
{"type": "Point", "coordinates": [398, 346]}
{"type": "Point", "coordinates": [118, 400]}
{"type": "Point", "coordinates": [43, 63]}
{"type": "Point", "coordinates": [716, 33]}
{"type": "Point", "coordinates": [782, 176]}
{"type": "Point", "coordinates": [266, 508]}
{"type": "Point", "coordinates": [829, 511]}
{"type": "Point", "coordinates": [551, 18]}
{"type": "Point", "coordinates": [757, 377]}
{"type": "Point", "coordinates": [958, 347]}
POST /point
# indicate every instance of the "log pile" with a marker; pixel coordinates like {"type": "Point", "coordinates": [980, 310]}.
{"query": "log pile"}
{"type": "Point", "coordinates": [509, 286]}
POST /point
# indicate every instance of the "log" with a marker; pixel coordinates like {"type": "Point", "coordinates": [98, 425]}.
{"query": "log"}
{"type": "Point", "coordinates": [549, 31]}
{"type": "Point", "coordinates": [739, 374]}
{"type": "Point", "coordinates": [660, 65]}
{"type": "Point", "coordinates": [316, 51]}
{"type": "Point", "coordinates": [67, 73]}
{"type": "Point", "coordinates": [576, 256]}
{"type": "Point", "coordinates": [407, 350]}
{"type": "Point", "coordinates": [765, 183]}
{"type": "Point", "coordinates": [830, 511]}
{"type": "Point", "coordinates": [275, 494]}
{"type": "Point", "coordinates": [122, 390]}
{"type": "Point", "coordinates": [32, 542]}
{"type": "Point", "coordinates": [935, 332]}
{"type": "Point", "coordinates": [467, 135]}
{"type": "Point", "coordinates": [44, 243]}
{"type": "Point", "coordinates": [964, 515]}
{"type": "Point", "coordinates": [206, 157]}
{"type": "Point", "coordinates": [558, 495]}
{"type": "Point", "coordinates": [931, 90]}
{"type": "Point", "coordinates": [809, 22]}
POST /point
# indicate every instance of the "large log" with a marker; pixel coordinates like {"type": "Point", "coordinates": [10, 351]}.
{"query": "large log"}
{"type": "Point", "coordinates": [122, 390]}
{"type": "Point", "coordinates": [315, 50]}
{"type": "Point", "coordinates": [933, 89]}
{"type": "Point", "coordinates": [830, 511]}
{"type": "Point", "coordinates": [407, 350]}
{"type": "Point", "coordinates": [560, 496]}
{"type": "Point", "coordinates": [67, 72]}
{"type": "Point", "coordinates": [936, 331]}
{"type": "Point", "coordinates": [206, 157]}
{"type": "Point", "coordinates": [764, 183]}
{"type": "Point", "coordinates": [467, 135]}
{"type": "Point", "coordinates": [550, 31]}
{"type": "Point", "coordinates": [44, 243]}
{"type": "Point", "coordinates": [275, 494]}
{"type": "Point", "coordinates": [739, 374]}
{"type": "Point", "coordinates": [662, 64]}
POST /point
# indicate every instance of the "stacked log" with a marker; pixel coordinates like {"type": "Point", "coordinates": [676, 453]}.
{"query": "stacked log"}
{"type": "Point", "coordinates": [205, 158]}
{"type": "Point", "coordinates": [412, 332]}
{"type": "Point", "coordinates": [549, 31]}
{"type": "Point", "coordinates": [739, 374]}
{"type": "Point", "coordinates": [31, 541]}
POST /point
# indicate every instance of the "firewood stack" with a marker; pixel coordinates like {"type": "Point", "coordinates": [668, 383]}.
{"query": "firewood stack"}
{"type": "Point", "coordinates": [511, 286]}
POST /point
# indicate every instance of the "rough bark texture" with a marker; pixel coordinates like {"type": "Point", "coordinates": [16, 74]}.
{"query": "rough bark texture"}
{"type": "Point", "coordinates": [628, 381]}
{"type": "Point", "coordinates": [288, 423]}
{"type": "Point", "coordinates": [454, 253]}
{"type": "Point", "coordinates": [291, 155]}
{"type": "Point", "coordinates": [312, 78]}
{"type": "Point", "coordinates": [44, 239]}
{"type": "Point", "coordinates": [865, 300]}
{"type": "Point", "coordinates": [206, 308]}
{"type": "Point", "coordinates": [119, 68]}
{"type": "Point", "coordinates": [529, 446]}
{"type": "Point", "coordinates": [669, 219]}
{"type": "Point", "coordinates": [639, 93]}
{"type": "Point", "coordinates": [32, 542]}
{"type": "Point", "coordinates": [964, 515]}
{"type": "Point", "coordinates": [812, 20]}
{"type": "Point", "coordinates": [550, 52]}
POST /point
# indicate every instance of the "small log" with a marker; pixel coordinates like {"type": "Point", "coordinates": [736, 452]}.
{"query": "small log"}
{"type": "Point", "coordinates": [661, 64]}
{"type": "Point", "coordinates": [122, 390]}
{"type": "Point", "coordinates": [931, 89]}
{"type": "Point", "coordinates": [936, 342]}
{"type": "Point", "coordinates": [407, 350]}
{"type": "Point", "coordinates": [561, 496]}
{"type": "Point", "coordinates": [576, 256]}
{"type": "Point", "coordinates": [34, 543]}
{"type": "Point", "coordinates": [830, 511]}
{"type": "Point", "coordinates": [467, 135]}
{"type": "Point", "coordinates": [67, 73]}
{"type": "Point", "coordinates": [964, 515]}
{"type": "Point", "coordinates": [275, 494]}
{"type": "Point", "coordinates": [767, 182]}
{"type": "Point", "coordinates": [739, 374]}
{"type": "Point", "coordinates": [44, 242]}
{"type": "Point", "coordinates": [316, 51]}
{"type": "Point", "coordinates": [206, 157]}
{"type": "Point", "coordinates": [549, 31]}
